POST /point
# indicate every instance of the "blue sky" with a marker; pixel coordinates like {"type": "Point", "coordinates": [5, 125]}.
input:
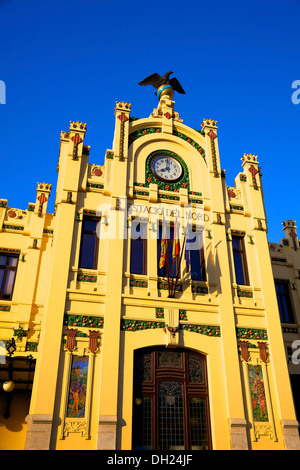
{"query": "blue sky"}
{"type": "Point", "coordinates": [71, 60]}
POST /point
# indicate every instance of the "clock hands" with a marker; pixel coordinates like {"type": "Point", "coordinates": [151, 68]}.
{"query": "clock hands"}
{"type": "Point", "coordinates": [167, 167]}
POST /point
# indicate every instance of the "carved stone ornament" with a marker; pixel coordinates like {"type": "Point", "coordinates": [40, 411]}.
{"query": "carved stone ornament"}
{"type": "Point", "coordinates": [75, 426]}
{"type": "Point", "coordinates": [264, 430]}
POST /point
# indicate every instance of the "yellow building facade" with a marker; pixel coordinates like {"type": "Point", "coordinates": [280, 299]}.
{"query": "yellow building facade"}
{"type": "Point", "coordinates": [107, 351]}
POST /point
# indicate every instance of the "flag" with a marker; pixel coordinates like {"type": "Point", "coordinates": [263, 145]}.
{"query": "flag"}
{"type": "Point", "coordinates": [176, 242]}
{"type": "Point", "coordinates": [187, 259]}
{"type": "Point", "coordinates": [163, 248]}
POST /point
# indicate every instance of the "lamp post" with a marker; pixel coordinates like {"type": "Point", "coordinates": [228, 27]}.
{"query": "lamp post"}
{"type": "Point", "coordinates": [9, 385]}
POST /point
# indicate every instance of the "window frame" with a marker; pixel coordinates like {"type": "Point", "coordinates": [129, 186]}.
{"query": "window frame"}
{"type": "Point", "coordinates": [242, 252]}
{"type": "Point", "coordinates": [169, 257]}
{"type": "Point", "coordinates": [288, 298]}
{"type": "Point", "coordinates": [202, 264]}
{"type": "Point", "coordinates": [143, 240]}
{"type": "Point", "coordinates": [7, 269]}
{"type": "Point", "coordinates": [96, 249]}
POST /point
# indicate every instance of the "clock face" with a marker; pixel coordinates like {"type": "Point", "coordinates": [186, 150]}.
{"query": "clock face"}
{"type": "Point", "coordinates": [166, 168]}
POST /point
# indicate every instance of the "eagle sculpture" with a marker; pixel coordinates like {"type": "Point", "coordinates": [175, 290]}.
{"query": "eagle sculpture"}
{"type": "Point", "coordinates": [157, 81]}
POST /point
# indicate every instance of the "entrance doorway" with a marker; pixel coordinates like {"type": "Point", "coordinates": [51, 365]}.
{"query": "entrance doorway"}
{"type": "Point", "coordinates": [170, 400]}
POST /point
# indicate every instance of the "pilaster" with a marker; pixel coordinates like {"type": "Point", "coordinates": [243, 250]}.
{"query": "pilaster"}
{"type": "Point", "coordinates": [45, 379]}
{"type": "Point", "coordinates": [33, 254]}
{"type": "Point", "coordinates": [230, 358]}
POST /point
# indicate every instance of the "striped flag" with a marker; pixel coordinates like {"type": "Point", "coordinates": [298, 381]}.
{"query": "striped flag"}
{"type": "Point", "coordinates": [163, 248]}
{"type": "Point", "coordinates": [187, 259]}
{"type": "Point", "coordinates": [176, 242]}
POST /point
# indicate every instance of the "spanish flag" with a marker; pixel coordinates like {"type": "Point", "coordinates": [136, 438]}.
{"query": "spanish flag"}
{"type": "Point", "coordinates": [163, 248]}
{"type": "Point", "coordinates": [176, 242]}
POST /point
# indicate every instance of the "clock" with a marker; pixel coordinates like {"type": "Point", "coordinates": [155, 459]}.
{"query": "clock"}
{"type": "Point", "coordinates": [166, 168]}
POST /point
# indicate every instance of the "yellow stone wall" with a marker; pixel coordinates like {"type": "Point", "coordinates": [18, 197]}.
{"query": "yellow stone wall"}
{"type": "Point", "coordinates": [52, 293]}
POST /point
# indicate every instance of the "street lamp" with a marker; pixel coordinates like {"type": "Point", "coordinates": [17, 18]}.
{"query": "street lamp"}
{"type": "Point", "coordinates": [9, 385]}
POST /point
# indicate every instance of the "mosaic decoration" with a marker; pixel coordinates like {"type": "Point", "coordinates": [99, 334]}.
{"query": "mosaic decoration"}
{"type": "Point", "coordinates": [32, 346]}
{"type": "Point", "coordinates": [86, 278]}
{"type": "Point", "coordinates": [182, 315]}
{"type": "Point", "coordinates": [164, 286]}
{"type": "Point", "coordinates": [251, 333]}
{"type": "Point", "coordinates": [123, 118]}
{"type": "Point", "coordinates": [77, 140]}
{"type": "Point", "coordinates": [199, 290]}
{"type": "Point", "coordinates": [237, 232]}
{"type": "Point", "coordinates": [137, 283]}
{"type": "Point", "coordinates": [109, 154]}
{"type": "Point", "coordinates": [42, 198]}
{"type": "Point", "coordinates": [202, 329]}
{"type": "Point", "coordinates": [12, 227]}
{"type": "Point", "coordinates": [245, 293]}
{"type": "Point", "coordinates": [137, 325]}
{"type": "Point", "coordinates": [171, 329]}
{"type": "Point", "coordinates": [141, 132]}
{"type": "Point", "coordinates": [159, 313]}
{"type": "Point", "coordinates": [243, 177]}
{"type": "Point", "coordinates": [20, 333]}
{"type": "Point", "coordinates": [191, 141]}
{"type": "Point", "coordinates": [89, 212]}
{"type": "Point", "coordinates": [212, 136]}
{"type": "Point", "coordinates": [5, 308]}
{"type": "Point", "coordinates": [3, 203]}
{"type": "Point", "coordinates": [167, 196]}
{"type": "Point", "coordinates": [253, 170]}
{"type": "Point", "coordinates": [137, 192]}
{"type": "Point", "coordinates": [77, 388]}
{"type": "Point", "coordinates": [258, 396]}
{"type": "Point", "coordinates": [84, 321]}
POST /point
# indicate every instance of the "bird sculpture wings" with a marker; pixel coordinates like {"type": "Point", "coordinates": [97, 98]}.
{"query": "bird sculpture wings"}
{"type": "Point", "coordinates": [157, 80]}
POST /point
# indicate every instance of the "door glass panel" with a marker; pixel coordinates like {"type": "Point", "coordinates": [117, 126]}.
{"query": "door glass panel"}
{"type": "Point", "coordinates": [147, 424]}
{"type": "Point", "coordinates": [169, 359]}
{"type": "Point", "coordinates": [170, 415]}
{"type": "Point", "coordinates": [195, 370]}
{"type": "Point", "coordinates": [144, 367]}
{"type": "Point", "coordinates": [198, 424]}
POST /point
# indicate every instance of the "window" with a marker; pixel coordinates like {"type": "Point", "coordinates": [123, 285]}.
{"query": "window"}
{"type": "Point", "coordinates": [284, 302]}
{"type": "Point", "coordinates": [240, 263]}
{"type": "Point", "coordinates": [89, 244]}
{"type": "Point", "coordinates": [195, 257]}
{"type": "Point", "coordinates": [168, 268]}
{"type": "Point", "coordinates": [8, 269]}
{"type": "Point", "coordinates": [138, 252]}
